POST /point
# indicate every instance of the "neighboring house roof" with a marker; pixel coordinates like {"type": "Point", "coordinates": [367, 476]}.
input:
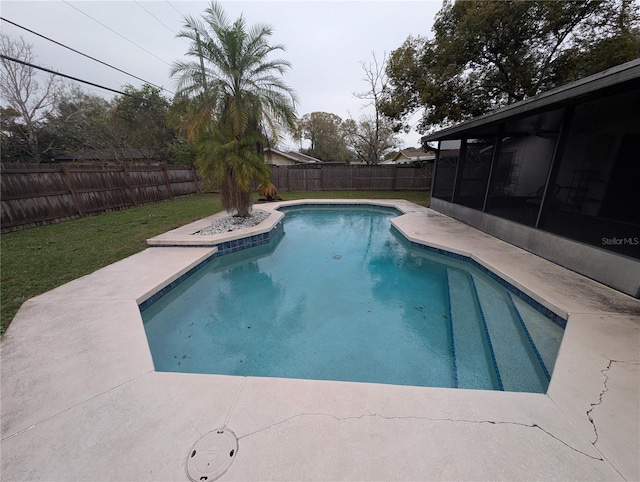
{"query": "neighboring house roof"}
{"type": "Point", "coordinates": [613, 80]}
{"type": "Point", "coordinates": [296, 157]}
{"type": "Point", "coordinates": [406, 156]}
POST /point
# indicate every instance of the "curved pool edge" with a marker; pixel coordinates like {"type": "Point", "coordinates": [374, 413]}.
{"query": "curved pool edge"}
{"type": "Point", "coordinates": [187, 236]}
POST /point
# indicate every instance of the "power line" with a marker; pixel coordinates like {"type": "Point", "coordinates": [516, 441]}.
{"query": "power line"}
{"type": "Point", "coordinates": [83, 54]}
{"type": "Point", "coordinates": [6, 57]}
{"type": "Point", "coordinates": [171, 5]}
{"type": "Point", "coordinates": [120, 35]}
{"type": "Point", "coordinates": [160, 21]}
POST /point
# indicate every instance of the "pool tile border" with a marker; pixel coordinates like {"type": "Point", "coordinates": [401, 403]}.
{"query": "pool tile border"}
{"type": "Point", "coordinates": [377, 207]}
{"type": "Point", "coordinates": [142, 306]}
{"type": "Point", "coordinates": [224, 248]}
{"type": "Point", "coordinates": [557, 319]}
{"type": "Point", "coordinates": [236, 245]}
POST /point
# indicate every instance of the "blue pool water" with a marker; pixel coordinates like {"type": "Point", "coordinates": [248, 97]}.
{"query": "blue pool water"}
{"type": "Point", "coordinates": [339, 295]}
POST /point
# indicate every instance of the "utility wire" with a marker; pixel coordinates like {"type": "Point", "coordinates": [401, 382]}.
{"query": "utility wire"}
{"type": "Point", "coordinates": [171, 5]}
{"type": "Point", "coordinates": [6, 57]}
{"type": "Point", "coordinates": [179, 13]}
{"type": "Point", "coordinates": [120, 35]}
{"type": "Point", "coordinates": [160, 21]}
{"type": "Point", "coordinates": [83, 54]}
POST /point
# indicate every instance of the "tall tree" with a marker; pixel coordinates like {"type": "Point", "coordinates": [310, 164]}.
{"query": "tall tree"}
{"type": "Point", "coordinates": [372, 136]}
{"type": "Point", "coordinates": [80, 121]}
{"type": "Point", "coordinates": [21, 92]}
{"type": "Point", "coordinates": [327, 134]}
{"type": "Point", "coordinates": [610, 38]}
{"type": "Point", "coordinates": [488, 53]}
{"type": "Point", "coordinates": [13, 141]}
{"type": "Point", "coordinates": [140, 119]}
{"type": "Point", "coordinates": [234, 101]}
{"type": "Point", "coordinates": [129, 127]}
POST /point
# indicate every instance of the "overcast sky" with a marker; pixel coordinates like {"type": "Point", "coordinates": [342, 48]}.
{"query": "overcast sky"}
{"type": "Point", "coordinates": [325, 41]}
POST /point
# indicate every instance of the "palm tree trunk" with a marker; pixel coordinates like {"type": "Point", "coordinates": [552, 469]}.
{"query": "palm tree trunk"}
{"type": "Point", "coordinates": [244, 208]}
{"type": "Point", "coordinates": [234, 199]}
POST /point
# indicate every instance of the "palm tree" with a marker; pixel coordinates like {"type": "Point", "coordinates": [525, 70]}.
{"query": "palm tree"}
{"type": "Point", "coordinates": [233, 100]}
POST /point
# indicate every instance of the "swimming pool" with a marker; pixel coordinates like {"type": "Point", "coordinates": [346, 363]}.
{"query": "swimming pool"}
{"type": "Point", "coordinates": [338, 294]}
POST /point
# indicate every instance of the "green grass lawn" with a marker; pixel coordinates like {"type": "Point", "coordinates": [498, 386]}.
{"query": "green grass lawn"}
{"type": "Point", "coordinates": [37, 260]}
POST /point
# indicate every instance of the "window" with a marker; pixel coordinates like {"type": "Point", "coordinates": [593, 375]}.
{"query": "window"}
{"type": "Point", "coordinates": [475, 173]}
{"type": "Point", "coordinates": [446, 165]}
{"type": "Point", "coordinates": [523, 166]}
{"type": "Point", "coordinates": [598, 176]}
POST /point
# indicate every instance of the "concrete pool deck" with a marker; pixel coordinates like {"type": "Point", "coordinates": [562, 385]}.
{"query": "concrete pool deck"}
{"type": "Point", "coordinates": [81, 399]}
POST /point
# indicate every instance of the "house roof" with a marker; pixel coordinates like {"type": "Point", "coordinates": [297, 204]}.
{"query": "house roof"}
{"type": "Point", "coordinates": [617, 79]}
{"type": "Point", "coordinates": [413, 154]}
{"type": "Point", "coordinates": [296, 157]}
{"type": "Point", "coordinates": [409, 156]}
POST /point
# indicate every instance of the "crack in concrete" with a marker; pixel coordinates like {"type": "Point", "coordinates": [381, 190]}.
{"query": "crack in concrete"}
{"type": "Point", "coordinates": [235, 402]}
{"type": "Point", "coordinates": [605, 389]}
{"type": "Point", "coordinates": [75, 405]}
{"type": "Point", "coordinates": [452, 420]}
{"type": "Point", "coordinates": [599, 402]}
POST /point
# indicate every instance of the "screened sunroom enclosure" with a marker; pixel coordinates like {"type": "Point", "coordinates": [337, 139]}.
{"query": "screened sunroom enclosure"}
{"type": "Point", "coordinates": [565, 163]}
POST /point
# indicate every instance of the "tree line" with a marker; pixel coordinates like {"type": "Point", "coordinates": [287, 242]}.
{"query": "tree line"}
{"type": "Point", "coordinates": [42, 117]}
{"type": "Point", "coordinates": [46, 119]}
{"type": "Point", "coordinates": [231, 102]}
{"type": "Point", "coordinates": [486, 54]}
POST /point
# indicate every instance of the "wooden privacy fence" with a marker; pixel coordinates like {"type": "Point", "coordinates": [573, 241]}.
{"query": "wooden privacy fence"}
{"type": "Point", "coordinates": [36, 194]}
{"type": "Point", "coordinates": [326, 177]}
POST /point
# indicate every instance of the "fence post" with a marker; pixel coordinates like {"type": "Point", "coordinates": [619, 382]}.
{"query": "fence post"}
{"type": "Point", "coordinates": [196, 180]}
{"type": "Point", "coordinates": [77, 201]}
{"type": "Point", "coordinates": [125, 170]}
{"type": "Point", "coordinates": [393, 180]}
{"type": "Point", "coordinates": [167, 182]}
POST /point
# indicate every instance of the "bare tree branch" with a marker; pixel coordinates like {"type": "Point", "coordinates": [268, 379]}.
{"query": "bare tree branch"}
{"type": "Point", "coordinates": [22, 92]}
{"type": "Point", "coordinates": [373, 136]}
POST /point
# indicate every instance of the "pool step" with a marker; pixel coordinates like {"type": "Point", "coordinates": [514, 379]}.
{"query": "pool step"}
{"type": "Point", "coordinates": [473, 362]}
{"type": "Point", "coordinates": [545, 336]}
{"type": "Point", "coordinates": [518, 362]}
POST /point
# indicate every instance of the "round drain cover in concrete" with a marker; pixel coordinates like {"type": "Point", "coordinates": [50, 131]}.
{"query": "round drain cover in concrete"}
{"type": "Point", "coordinates": [212, 455]}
